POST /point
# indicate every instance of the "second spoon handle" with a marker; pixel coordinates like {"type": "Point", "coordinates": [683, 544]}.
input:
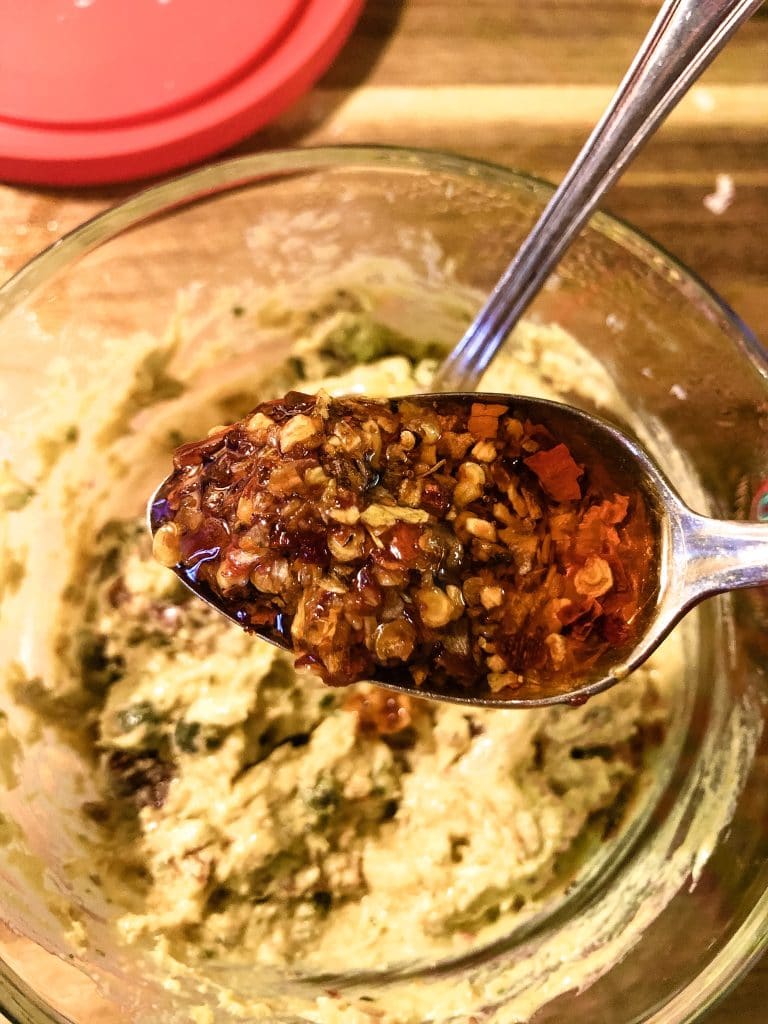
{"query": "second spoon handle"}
{"type": "Point", "coordinates": [684, 39]}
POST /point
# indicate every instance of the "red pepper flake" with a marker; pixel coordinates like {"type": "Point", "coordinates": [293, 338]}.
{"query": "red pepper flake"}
{"type": "Point", "coordinates": [615, 510]}
{"type": "Point", "coordinates": [484, 419]}
{"type": "Point", "coordinates": [596, 533]}
{"type": "Point", "coordinates": [557, 472]}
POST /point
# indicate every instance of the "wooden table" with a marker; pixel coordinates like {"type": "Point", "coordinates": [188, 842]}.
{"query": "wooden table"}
{"type": "Point", "coordinates": [521, 83]}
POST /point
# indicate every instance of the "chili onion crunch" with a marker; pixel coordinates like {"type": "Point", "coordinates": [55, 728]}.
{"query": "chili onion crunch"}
{"type": "Point", "coordinates": [449, 541]}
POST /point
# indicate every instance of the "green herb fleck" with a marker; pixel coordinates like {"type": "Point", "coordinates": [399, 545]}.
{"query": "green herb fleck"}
{"type": "Point", "coordinates": [109, 563]}
{"type": "Point", "coordinates": [185, 736]}
{"type": "Point", "coordinates": [16, 500]}
{"type": "Point", "coordinates": [97, 668]}
{"type": "Point", "coordinates": [132, 717]}
{"type": "Point", "coordinates": [214, 741]}
{"type": "Point", "coordinates": [11, 575]}
{"type": "Point", "coordinates": [15, 493]}
{"type": "Point", "coordinates": [323, 900]}
{"type": "Point", "coordinates": [358, 338]}
{"type": "Point", "coordinates": [152, 384]}
{"type": "Point", "coordinates": [325, 795]}
{"type": "Point", "coordinates": [10, 755]}
{"type": "Point", "coordinates": [389, 810]}
{"type": "Point", "coordinates": [297, 368]}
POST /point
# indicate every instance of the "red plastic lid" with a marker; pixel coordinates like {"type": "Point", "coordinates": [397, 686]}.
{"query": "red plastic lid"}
{"type": "Point", "coordinates": [95, 91]}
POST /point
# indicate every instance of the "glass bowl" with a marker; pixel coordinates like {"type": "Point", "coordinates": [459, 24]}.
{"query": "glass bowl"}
{"type": "Point", "coordinates": [678, 910]}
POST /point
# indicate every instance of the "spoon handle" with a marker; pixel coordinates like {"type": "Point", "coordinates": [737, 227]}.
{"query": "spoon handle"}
{"type": "Point", "coordinates": [720, 555]}
{"type": "Point", "coordinates": [683, 41]}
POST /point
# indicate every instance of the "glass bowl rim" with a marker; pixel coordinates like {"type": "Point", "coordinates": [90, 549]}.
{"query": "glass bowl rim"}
{"type": "Point", "coordinates": [743, 949]}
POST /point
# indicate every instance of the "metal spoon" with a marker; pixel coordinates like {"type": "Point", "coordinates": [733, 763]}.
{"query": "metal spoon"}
{"type": "Point", "coordinates": [697, 556]}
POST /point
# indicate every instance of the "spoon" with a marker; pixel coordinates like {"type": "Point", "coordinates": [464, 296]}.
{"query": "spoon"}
{"type": "Point", "coordinates": [693, 557]}
{"type": "Point", "coordinates": [696, 556]}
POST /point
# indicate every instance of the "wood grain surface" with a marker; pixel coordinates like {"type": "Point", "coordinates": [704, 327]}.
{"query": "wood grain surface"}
{"type": "Point", "coordinates": [520, 83]}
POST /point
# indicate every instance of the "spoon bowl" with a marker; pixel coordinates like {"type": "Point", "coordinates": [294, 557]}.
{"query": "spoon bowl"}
{"type": "Point", "coordinates": [693, 557]}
